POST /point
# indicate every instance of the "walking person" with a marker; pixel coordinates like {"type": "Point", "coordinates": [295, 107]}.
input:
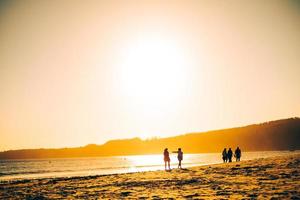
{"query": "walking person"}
{"type": "Point", "coordinates": [167, 158]}
{"type": "Point", "coordinates": [179, 157]}
{"type": "Point", "coordinates": [224, 155]}
{"type": "Point", "coordinates": [237, 154]}
{"type": "Point", "coordinates": [229, 155]}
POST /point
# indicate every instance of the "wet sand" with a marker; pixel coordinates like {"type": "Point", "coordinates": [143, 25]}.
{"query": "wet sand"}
{"type": "Point", "coordinates": [269, 178]}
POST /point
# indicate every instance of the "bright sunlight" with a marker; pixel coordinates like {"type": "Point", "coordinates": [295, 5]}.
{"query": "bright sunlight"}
{"type": "Point", "coordinates": [153, 74]}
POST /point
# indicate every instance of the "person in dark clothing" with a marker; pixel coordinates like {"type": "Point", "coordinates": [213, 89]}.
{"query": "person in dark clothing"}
{"type": "Point", "coordinates": [167, 158]}
{"type": "Point", "coordinates": [179, 157]}
{"type": "Point", "coordinates": [237, 154]}
{"type": "Point", "coordinates": [229, 155]}
{"type": "Point", "coordinates": [224, 155]}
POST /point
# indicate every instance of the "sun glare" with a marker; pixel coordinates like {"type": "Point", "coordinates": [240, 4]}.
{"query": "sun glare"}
{"type": "Point", "coordinates": [153, 74]}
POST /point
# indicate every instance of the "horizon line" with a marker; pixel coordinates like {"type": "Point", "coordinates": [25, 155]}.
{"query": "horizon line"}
{"type": "Point", "coordinates": [154, 137]}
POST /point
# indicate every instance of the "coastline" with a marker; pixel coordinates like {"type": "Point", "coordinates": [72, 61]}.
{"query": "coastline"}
{"type": "Point", "coordinates": [260, 178]}
{"type": "Point", "coordinates": [75, 167]}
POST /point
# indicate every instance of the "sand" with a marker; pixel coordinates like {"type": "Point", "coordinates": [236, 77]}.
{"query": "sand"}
{"type": "Point", "coordinates": [269, 178]}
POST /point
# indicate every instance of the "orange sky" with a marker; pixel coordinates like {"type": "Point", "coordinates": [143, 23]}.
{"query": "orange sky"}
{"type": "Point", "coordinates": [79, 72]}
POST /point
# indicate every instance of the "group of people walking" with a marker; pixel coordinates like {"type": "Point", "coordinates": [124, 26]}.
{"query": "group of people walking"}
{"type": "Point", "coordinates": [227, 155]}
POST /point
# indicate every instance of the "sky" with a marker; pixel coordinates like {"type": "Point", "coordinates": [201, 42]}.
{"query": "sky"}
{"type": "Point", "coordinates": [79, 72]}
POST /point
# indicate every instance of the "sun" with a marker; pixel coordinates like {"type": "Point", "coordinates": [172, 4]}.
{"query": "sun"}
{"type": "Point", "coordinates": [152, 72]}
{"type": "Point", "coordinates": [151, 77]}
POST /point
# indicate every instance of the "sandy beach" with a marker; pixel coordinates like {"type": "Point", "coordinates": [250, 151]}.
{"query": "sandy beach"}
{"type": "Point", "coordinates": [269, 178]}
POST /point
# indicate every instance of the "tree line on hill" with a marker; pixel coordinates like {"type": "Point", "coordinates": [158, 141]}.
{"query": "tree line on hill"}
{"type": "Point", "coordinates": [274, 135]}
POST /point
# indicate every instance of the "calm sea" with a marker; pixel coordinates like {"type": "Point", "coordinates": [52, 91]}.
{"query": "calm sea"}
{"type": "Point", "coordinates": [68, 167]}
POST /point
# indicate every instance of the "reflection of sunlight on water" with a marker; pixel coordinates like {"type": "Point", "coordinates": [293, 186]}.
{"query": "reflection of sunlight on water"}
{"type": "Point", "coordinates": [149, 160]}
{"type": "Point", "coordinates": [155, 162]}
{"type": "Point", "coordinates": [144, 163]}
{"type": "Point", "coordinates": [68, 167]}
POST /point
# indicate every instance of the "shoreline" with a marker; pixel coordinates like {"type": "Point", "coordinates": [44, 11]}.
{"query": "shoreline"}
{"type": "Point", "coordinates": [259, 178]}
{"type": "Point", "coordinates": [134, 169]}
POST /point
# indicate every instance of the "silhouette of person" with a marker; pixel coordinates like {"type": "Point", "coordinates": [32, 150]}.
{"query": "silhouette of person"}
{"type": "Point", "coordinates": [237, 154]}
{"type": "Point", "coordinates": [167, 158]}
{"type": "Point", "coordinates": [229, 155]}
{"type": "Point", "coordinates": [179, 157]}
{"type": "Point", "coordinates": [224, 155]}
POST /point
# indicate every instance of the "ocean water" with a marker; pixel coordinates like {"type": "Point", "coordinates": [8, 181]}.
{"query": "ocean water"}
{"type": "Point", "coordinates": [68, 167]}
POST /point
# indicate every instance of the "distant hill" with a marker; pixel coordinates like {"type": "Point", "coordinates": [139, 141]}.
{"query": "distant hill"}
{"type": "Point", "coordinates": [274, 135]}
